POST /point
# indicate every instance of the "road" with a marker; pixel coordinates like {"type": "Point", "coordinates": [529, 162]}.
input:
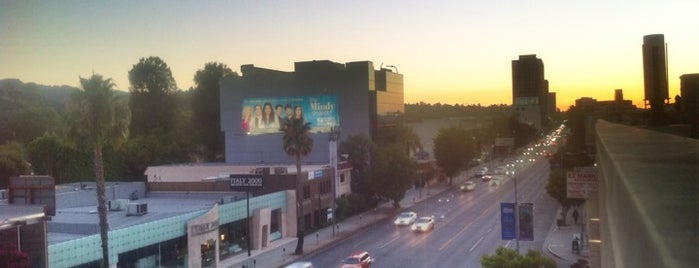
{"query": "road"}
{"type": "Point", "coordinates": [467, 226]}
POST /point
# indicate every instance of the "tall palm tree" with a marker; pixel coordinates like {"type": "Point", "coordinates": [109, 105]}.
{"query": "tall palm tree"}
{"type": "Point", "coordinates": [298, 143]}
{"type": "Point", "coordinates": [97, 119]}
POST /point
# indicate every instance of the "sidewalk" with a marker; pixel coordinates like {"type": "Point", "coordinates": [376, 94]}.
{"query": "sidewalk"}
{"type": "Point", "coordinates": [559, 241]}
{"type": "Point", "coordinates": [280, 252]}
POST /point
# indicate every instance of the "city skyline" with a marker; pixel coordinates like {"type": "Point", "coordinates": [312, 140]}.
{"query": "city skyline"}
{"type": "Point", "coordinates": [448, 51]}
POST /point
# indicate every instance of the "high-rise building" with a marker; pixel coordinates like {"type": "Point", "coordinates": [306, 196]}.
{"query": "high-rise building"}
{"type": "Point", "coordinates": [689, 88]}
{"type": "Point", "coordinates": [655, 76]}
{"type": "Point", "coordinates": [530, 90]}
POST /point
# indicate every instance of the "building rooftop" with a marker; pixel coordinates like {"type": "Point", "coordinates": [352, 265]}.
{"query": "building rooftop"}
{"type": "Point", "coordinates": [80, 221]}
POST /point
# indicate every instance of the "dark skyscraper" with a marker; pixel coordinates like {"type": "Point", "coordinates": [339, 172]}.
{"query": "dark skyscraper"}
{"type": "Point", "coordinates": [530, 90]}
{"type": "Point", "coordinates": [689, 88]}
{"type": "Point", "coordinates": [655, 76]}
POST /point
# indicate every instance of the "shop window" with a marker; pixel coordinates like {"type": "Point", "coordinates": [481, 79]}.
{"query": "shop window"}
{"type": "Point", "coordinates": [307, 192]}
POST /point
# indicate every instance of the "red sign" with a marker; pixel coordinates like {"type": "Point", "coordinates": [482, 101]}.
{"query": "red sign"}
{"type": "Point", "coordinates": [582, 183]}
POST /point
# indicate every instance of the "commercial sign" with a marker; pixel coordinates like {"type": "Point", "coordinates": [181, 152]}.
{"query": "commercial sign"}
{"type": "Point", "coordinates": [526, 221]}
{"type": "Point", "coordinates": [266, 115]}
{"type": "Point", "coordinates": [581, 183]}
{"type": "Point", "coordinates": [507, 220]}
{"type": "Point", "coordinates": [203, 228]}
{"type": "Point", "coordinates": [246, 181]}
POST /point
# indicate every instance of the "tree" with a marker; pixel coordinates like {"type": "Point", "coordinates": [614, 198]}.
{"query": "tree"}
{"type": "Point", "coordinates": [44, 153]}
{"type": "Point", "coordinates": [206, 115]}
{"type": "Point", "coordinates": [452, 150]}
{"type": "Point", "coordinates": [12, 162]}
{"type": "Point", "coordinates": [358, 149]}
{"type": "Point", "coordinates": [399, 134]}
{"type": "Point", "coordinates": [297, 143]}
{"type": "Point", "coordinates": [151, 101]}
{"type": "Point", "coordinates": [392, 173]}
{"type": "Point", "coordinates": [97, 119]}
{"type": "Point", "coordinates": [509, 258]}
{"type": "Point", "coordinates": [556, 188]}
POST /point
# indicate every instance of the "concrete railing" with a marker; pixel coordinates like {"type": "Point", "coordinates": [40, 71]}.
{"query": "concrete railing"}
{"type": "Point", "coordinates": [647, 208]}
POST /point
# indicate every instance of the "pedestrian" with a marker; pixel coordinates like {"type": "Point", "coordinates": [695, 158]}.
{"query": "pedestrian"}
{"type": "Point", "coordinates": [576, 245]}
{"type": "Point", "coordinates": [575, 216]}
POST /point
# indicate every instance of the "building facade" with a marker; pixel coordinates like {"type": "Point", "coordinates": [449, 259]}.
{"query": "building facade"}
{"type": "Point", "coordinates": [655, 81]}
{"type": "Point", "coordinates": [530, 91]}
{"type": "Point", "coordinates": [361, 97]}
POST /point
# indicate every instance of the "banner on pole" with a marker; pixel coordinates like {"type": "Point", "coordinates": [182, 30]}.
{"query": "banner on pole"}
{"type": "Point", "coordinates": [507, 220]}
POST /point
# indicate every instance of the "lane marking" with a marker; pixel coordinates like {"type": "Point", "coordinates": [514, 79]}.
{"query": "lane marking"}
{"type": "Point", "coordinates": [389, 242]}
{"type": "Point", "coordinates": [476, 244]}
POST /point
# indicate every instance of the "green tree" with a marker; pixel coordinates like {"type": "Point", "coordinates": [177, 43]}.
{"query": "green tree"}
{"type": "Point", "coordinates": [151, 101]}
{"type": "Point", "coordinates": [206, 115]}
{"type": "Point", "coordinates": [509, 258]}
{"type": "Point", "coordinates": [358, 149]}
{"type": "Point", "coordinates": [297, 143]}
{"type": "Point", "coordinates": [556, 188]}
{"type": "Point", "coordinates": [44, 153]}
{"type": "Point", "coordinates": [392, 173]}
{"type": "Point", "coordinates": [399, 134]}
{"type": "Point", "coordinates": [97, 119]}
{"type": "Point", "coordinates": [453, 150]}
{"type": "Point", "coordinates": [12, 162]}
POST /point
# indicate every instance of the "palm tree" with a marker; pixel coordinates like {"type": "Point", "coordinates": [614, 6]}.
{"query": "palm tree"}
{"type": "Point", "coordinates": [297, 143]}
{"type": "Point", "coordinates": [97, 119]}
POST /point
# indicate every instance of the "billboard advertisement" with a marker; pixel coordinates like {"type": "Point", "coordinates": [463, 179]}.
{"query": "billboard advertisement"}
{"type": "Point", "coordinates": [526, 222]}
{"type": "Point", "coordinates": [507, 221]}
{"type": "Point", "coordinates": [266, 115]}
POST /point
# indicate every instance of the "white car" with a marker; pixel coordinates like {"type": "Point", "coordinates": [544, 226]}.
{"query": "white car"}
{"type": "Point", "coordinates": [468, 186]}
{"type": "Point", "coordinates": [423, 224]}
{"type": "Point", "coordinates": [406, 218]}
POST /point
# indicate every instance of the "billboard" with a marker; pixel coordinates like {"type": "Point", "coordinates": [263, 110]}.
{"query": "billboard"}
{"type": "Point", "coordinates": [266, 115]}
{"type": "Point", "coordinates": [526, 222]}
{"type": "Point", "coordinates": [507, 221]}
{"type": "Point", "coordinates": [582, 183]}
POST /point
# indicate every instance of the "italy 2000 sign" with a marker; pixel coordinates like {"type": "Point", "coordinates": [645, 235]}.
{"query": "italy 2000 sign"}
{"type": "Point", "coordinates": [246, 181]}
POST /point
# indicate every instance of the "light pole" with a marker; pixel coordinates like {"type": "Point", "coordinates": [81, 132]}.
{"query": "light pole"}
{"type": "Point", "coordinates": [516, 216]}
{"type": "Point", "coordinates": [334, 137]}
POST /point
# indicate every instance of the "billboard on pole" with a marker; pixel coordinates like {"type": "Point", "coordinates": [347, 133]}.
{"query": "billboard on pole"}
{"type": "Point", "coordinates": [526, 222]}
{"type": "Point", "coordinates": [507, 220]}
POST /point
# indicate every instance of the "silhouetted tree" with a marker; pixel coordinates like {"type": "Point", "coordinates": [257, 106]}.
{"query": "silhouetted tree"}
{"type": "Point", "coordinates": [453, 149]}
{"type": "Point", "coordinates": [97, 119]}
{"type": "Point", "coordinates": [12, 162]}
{"type": "Point", "coordinates": [359, 149]}
{"type": "Point", "coordinates": [151, 101]}
{"type": "Point", "coordinates": [392, 173]}
{"type": "Point", "coordinates": [206, 115]}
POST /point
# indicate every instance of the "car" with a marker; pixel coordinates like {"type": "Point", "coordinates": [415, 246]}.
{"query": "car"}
{"type": "Point", "coordinates": [481, 172]}
{"type": "Point", "coordinates": [467, 186]}
{"type": "Point", "coordinates": [358, 260]}
{"type": "Point", "coordinates": [405, 218]}
{"type": "Point", "coordinates": [300, 264]}
{"type": "Point", "coordinates": [423, 224]}
{"type": "Point", "coordinates": [486, 178]}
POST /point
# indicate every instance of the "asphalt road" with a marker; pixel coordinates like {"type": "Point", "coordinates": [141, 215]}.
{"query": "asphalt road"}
{"type": "Point", "coordinates": [467, 226]}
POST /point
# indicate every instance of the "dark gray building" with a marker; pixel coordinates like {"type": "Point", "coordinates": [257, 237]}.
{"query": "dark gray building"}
{"type": "Point", "coordinates": [366, 100]}
{"type": "Point", "coordinates": [655, 76]}
{"type": "Point", "coordinates": [689, 88]}
{"type": "Point", "coordinates": [530, 91]}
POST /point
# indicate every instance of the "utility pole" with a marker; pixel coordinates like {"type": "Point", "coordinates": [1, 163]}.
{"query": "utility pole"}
{"type": "Point", "coordinates": [334, 137]}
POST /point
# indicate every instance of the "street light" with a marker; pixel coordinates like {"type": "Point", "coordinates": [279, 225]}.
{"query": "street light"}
{"type": "Point", "coordinates": [333, 137]}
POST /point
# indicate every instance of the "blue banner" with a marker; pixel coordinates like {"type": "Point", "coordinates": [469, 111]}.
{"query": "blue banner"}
{"type": "Point", "coordinates": [507, 220]}
{"type": "Point", "coordinates": [266, 115]}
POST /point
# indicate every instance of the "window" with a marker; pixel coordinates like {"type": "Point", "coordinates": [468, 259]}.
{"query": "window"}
{"type": "Point", "coordinates": [306, 192]}
{"type": "Point", "coordinates": [342, 178]}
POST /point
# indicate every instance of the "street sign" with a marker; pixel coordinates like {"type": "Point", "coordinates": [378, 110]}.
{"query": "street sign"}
{"type": "Point", "coordinates": [581, 183]}
{"type": "Point", "coordinates": [507, 220]}
{"type": "Point", "coordinates": [246, 181]}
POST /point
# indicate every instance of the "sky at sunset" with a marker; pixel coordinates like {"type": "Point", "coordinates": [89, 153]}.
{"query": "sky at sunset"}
{"type": "Point", "coordinates": [455, 52]}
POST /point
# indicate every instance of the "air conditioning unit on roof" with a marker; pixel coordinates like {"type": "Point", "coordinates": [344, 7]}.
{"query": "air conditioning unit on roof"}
{"type": "Point", "coordinates": [136, 209]}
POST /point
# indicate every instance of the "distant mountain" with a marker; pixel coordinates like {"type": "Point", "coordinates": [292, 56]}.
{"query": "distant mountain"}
{"type": "Point", "coordinates": [27, 110]}
{"type": "Point", "coordinates": [14, 94]}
